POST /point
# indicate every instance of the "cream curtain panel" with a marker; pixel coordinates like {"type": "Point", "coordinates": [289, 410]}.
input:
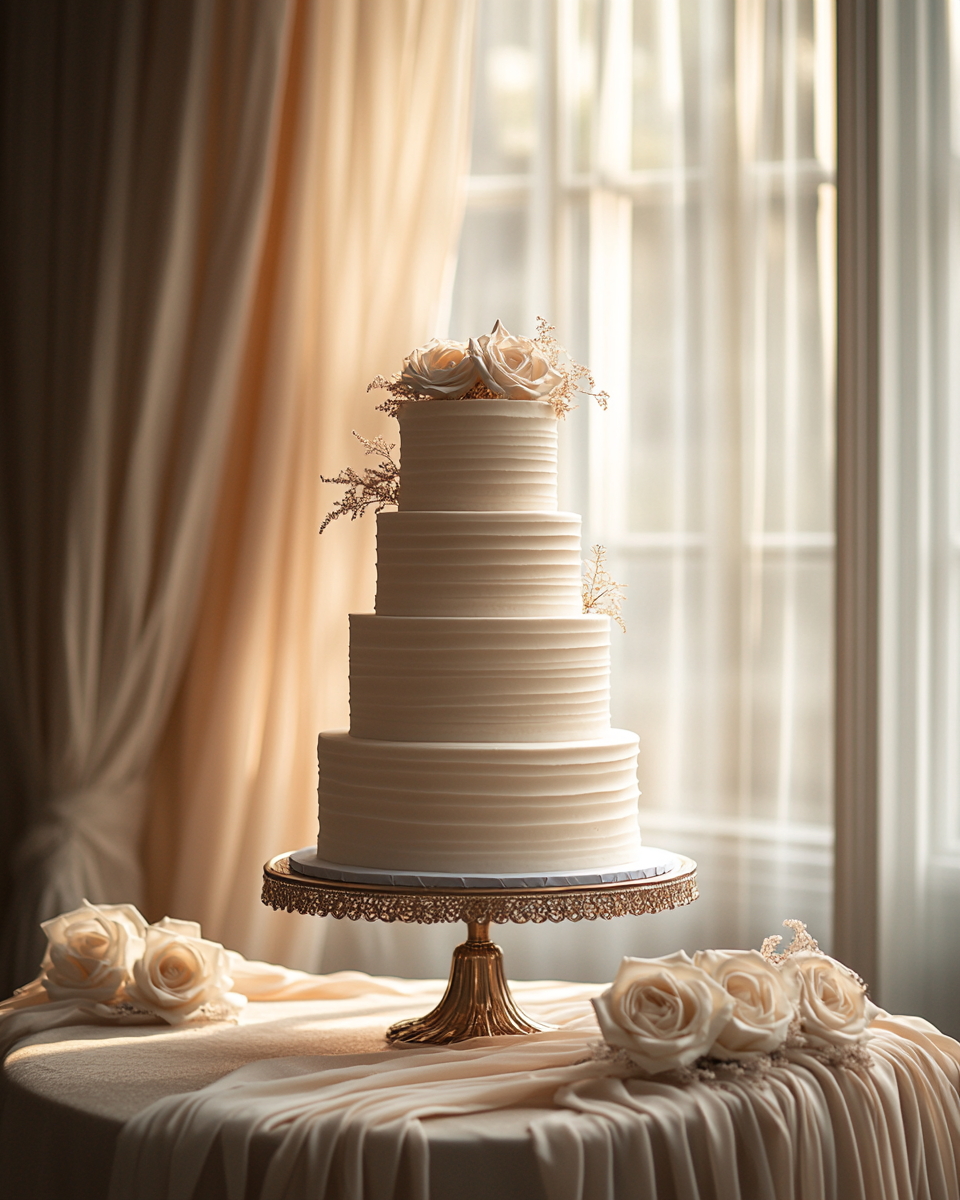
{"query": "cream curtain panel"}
{"type": "Point", "coordinates": [366, 217]}
{"type": "Point", "coordinates": [218, 220]}
{"type": "Point", "coordinates": [135, 192]}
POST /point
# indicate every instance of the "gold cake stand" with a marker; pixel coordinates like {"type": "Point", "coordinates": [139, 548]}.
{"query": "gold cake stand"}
{"type": "Point", "coordinates": [477, 1002]}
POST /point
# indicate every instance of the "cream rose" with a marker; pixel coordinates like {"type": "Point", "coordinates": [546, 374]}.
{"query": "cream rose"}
{"type": "Point", "coordinates": [834, 1008]}
{"type": "Point", "coordinates": [180, 972]}
{"type": "Point", "coordinates": [764, 1002]}
{"type": "Point", "coordinates": [443, 370]}
{"type": "Point", "coordinates": [91, 951]}
{"type": "Point", "coordinates": [514, 367]}
{"type": "Point", "coordinates": [664, 1012]}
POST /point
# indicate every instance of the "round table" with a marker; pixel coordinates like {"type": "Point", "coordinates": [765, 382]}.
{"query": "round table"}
{"type": "Point", "coordinates": [892, 1131]}
{"type": "Point", "coordinates": [66, 1094]}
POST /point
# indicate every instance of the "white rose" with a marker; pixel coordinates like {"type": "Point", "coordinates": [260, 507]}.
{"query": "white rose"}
{"type": "Point", "coordinates": [514, 366]}
{"type": "Point", "coordinates": [765, 1002]}
{"type": "Point", "coordinates": [90, 951]}
{"type": "Point", "coordinates": [443, 370]}
{"type": "Point", "coordinates": [834, 1008]}
{"type": "Point", "coordinates": [180, 972]}
{"type": "Point", "coordinates": [664, 1012]}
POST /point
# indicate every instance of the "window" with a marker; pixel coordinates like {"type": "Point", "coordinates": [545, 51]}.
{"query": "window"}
{"type": "Point", "coordinates": [657, 178]}
{"type": "Point", "coordinates": [920, 511]}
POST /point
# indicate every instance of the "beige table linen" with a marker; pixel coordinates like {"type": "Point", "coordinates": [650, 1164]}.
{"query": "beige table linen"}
{"type": "Point", "coordinates": [302, 1098]}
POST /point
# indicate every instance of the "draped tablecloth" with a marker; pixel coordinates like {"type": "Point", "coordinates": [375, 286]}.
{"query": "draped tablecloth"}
{"type": "Point", "coordinates": [303, 1098]}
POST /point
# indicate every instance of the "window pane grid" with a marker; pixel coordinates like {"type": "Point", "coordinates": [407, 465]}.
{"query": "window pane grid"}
{"type": "Point", "coordinates": [681, 222]}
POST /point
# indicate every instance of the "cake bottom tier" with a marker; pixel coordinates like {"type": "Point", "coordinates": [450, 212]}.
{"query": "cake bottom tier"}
{"type": "Point", "coordinates": [478, 806]}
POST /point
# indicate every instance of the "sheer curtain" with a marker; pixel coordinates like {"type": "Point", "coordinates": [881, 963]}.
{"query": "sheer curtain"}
{"type": "Point", "coordinates": [920, 596]}
{"type": "Point", "coordinates": [366, 204]}
{"type": "Point", "coordinates": [138, 150]}
{"type": "Point", "coordinates": [219, 221]}
{"type": "Point", "coordinates": [657, 178]}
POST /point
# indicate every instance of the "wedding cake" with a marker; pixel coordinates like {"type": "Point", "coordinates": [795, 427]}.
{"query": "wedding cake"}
{"type": "Point", "coordinates": [480, 739]}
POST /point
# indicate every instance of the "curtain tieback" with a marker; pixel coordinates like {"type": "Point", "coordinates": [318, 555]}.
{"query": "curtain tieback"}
{"type": "Point", "coordinates": [104, 816]}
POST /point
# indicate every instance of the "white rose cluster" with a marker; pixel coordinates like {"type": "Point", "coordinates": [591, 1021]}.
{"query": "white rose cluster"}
{"type": "Point", "coordinates": [108, 954]}
{"type": "Point", "coordinates": [509, 366]}
{"type": "Point", "coordinates": [735, 1005]}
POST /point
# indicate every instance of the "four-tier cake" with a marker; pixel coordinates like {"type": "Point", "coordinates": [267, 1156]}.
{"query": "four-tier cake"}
{"type": "Point", "coordinates": [480, 738]}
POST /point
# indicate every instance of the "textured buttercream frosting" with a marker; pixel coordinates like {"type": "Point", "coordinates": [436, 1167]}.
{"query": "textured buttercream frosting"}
{"type": "Point", "coordinates": [478, 456]}
{"type": "Point", "coordinates": [480, 735]}
{"type": "Point", "coordinates": [478, 564]}
{"type": "Point", "coordinates": [479, 679]}
{"type": "Point", "coordinates": [450, 806]}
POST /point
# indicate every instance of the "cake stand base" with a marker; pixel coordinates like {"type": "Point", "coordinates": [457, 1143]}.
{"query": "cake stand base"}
{"type": "Point", "coordinates": [477, 1002]}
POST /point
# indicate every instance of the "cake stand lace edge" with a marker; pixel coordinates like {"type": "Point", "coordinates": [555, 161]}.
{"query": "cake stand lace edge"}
{"type": "Point", "coordinates": [284, 891]}
{"type": "Point", "coordinates": [477, 1001]}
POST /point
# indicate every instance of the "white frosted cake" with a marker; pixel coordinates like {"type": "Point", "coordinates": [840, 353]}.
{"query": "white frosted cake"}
{"type": "Point", "coordinates": [480, 737]}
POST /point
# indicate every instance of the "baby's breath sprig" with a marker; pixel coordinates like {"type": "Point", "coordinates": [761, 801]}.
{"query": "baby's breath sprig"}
{"type": "Point", "coordinates": [399, 393]}
{"type": "Point", "coordinates": [601, 592]}
{"type": "Point", "coordinates": [564, 393]}
{"type": "Point", "coordinates": [377, 487]}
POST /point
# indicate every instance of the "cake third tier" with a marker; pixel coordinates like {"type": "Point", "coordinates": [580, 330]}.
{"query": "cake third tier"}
{"type": "Point", "coordinates": [478, 564]}
{"type": "Point", "coordinates": [479, 679]}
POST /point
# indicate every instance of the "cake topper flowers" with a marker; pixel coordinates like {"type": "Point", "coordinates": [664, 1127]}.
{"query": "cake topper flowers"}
{"type": "Point", "coordinates": [498, 365]}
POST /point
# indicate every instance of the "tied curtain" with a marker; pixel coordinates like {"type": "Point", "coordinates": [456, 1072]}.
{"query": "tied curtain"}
{"type": "Point", "coordinates": [218, 221]}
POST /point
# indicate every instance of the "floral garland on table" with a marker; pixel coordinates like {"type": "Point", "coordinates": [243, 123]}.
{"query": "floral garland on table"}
{"type": "Point", "coordinates": [734, 1011]}
{"type": "Point", "coordinates": [106, 957]}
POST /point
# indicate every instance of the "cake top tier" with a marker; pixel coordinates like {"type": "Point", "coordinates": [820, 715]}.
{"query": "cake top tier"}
{"type": "Point", "coordinates": [478, 456]}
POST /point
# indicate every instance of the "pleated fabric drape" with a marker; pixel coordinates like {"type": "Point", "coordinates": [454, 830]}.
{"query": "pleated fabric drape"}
{"type": "Point", "coordinates": [217, 219]}
{"type": "Point", "coordinates": [138, 149]}
{"type": "Point", "coordinates": [365, 217]}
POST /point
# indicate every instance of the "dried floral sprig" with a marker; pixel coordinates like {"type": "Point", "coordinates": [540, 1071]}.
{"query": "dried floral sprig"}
{"type": "Point", "coordinates": [377, 487]}
{"type": "Point", "coordinates": [573, 372]}
{"type": "Point", "coordinates": [801, 941]}
{"type": "Point", "coordinates": [601, 592]}
{"type": "Point", "coordinates": [402, 393]}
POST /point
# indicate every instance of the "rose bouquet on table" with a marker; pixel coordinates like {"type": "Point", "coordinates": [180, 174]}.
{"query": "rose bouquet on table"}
{"type": "Point", "coordinates": [105, 958]}
{"type": "Point", "coordinates": [735, 1007]}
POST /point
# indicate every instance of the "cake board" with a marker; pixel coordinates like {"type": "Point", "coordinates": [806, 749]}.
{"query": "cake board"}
{"type": "Point", "coordinates": [477, 1002]}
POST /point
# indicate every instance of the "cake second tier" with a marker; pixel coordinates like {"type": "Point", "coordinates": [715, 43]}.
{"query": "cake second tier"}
{"type": "Point", "coordinates": [478, 564]}
{"type": "Point", "coordinates": [479, 679]}
{"type": "Point", "coordinates": [479, 808]}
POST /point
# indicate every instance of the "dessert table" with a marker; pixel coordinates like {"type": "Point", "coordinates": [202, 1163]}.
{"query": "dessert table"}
{"type": "Point", "coordinates": [198, 1110]}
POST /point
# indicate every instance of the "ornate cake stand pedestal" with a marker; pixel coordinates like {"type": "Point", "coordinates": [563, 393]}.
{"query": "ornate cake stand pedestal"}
{"type": "Point", "coordinates": [477, 1002]}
